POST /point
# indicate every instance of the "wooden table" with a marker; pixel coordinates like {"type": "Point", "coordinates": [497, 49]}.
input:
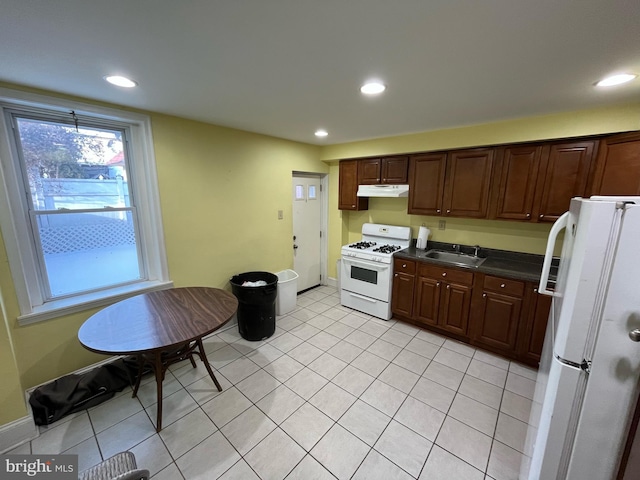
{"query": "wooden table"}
{"type": "Point", "coordinates": [160, 328]}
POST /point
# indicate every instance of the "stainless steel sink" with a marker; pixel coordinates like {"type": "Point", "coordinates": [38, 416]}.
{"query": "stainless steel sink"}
{"type": "Point", "coordinates": [455, 258]}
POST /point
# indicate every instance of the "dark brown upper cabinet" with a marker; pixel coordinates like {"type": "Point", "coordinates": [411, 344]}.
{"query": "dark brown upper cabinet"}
{"type": "Point", "coordinates": [426, 183]}
{"type": "Point", "coordinates": [467, 183]}
{"type": "Point", "coordinates": [524, 182]}
{"type": "Point", "coordinates": [564, 173]}
{"type": "Point", "coordinates": [617, 167]}
{"type": "Point", "coordinates": [514, 182]}
{"type": "Point", "coordinates": [348, 187]}
{"type": "Point", "coordinates": [387, 170]}
{"type": "Point", "coordinates": [452, 184]}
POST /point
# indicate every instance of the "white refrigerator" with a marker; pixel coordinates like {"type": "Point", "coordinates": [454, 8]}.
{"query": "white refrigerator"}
{"type": "Point", "coordinates": [587, 384]}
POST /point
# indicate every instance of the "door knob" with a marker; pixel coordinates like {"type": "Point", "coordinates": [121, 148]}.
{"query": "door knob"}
{"type": "Point", "coordinates": [635, 334]}
{"type": "Point", "coordinates": [295, 247]}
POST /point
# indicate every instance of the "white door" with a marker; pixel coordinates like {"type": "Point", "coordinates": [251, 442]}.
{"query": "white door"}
{"type": "Point", "coordinates": [307, 227]}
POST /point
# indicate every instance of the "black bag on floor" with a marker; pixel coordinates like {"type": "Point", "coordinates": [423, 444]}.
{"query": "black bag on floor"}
{"type": "Point", "coordinates": [72, 393]}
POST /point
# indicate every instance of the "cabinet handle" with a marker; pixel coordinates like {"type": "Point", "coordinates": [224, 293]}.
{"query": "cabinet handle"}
{"type": "Point", "coordinates": [528, 215]}
{"type": "Point", "coordinates": [438, 211]}
{"type": "Point", "coordinates": [484, 295]}
{"type": "Point", "coordinates": [502, 286]}
{"type": "Point", "coordinates": [353, 206]}
{"type": "Point", "coordinates": [448, 211]}
{"type": "Point", "coordinates": [437, 284]}
{"type": "Point", "coordinates": [404, 265]}
{"type": "Point", "coordinates": [535, 290]}
{"type": "Point", "coordinates": [541, 216]}
{"type": "Point", "coordinates": [448, 286]}
{"type": "Point", "coordinates": [444, 274]}
{"type": "Point", "coordinates": [395, 274]}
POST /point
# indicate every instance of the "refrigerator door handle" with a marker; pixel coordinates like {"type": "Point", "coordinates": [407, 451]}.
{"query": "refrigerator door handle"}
{"type": "Point", "coordinates": [585, 365]}
{"type": "Point", "coordinates": [557, 227]}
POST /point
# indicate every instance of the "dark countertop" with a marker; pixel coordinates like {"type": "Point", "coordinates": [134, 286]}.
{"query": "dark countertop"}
{"type": "Point", "coordinates": [501, 263]}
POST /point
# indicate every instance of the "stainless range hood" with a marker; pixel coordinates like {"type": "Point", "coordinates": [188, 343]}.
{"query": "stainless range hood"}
{"type": "Point", "coordinates": [393, 191]}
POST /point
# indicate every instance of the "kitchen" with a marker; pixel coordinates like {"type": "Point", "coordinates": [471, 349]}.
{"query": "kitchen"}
{"type": "Point", "coordinates": [192, 155]}
{"type": "Point", "coordinates": [487, 233]}
{"type": "Point", "coordinates": [497, 316]}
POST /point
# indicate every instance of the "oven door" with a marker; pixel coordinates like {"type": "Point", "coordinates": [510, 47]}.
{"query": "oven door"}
{"type": "Point", "coordinates": [371, 279]}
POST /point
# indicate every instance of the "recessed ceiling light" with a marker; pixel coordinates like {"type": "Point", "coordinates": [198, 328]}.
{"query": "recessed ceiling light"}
{"type": "Point", "coordinates": [321, 133]}
{"type": "Point", "coordinates": [616, 80]}
{"type": "Point", "coordinates": [373, 88]}
{"type": "Point", "coordinates": [120, 81]}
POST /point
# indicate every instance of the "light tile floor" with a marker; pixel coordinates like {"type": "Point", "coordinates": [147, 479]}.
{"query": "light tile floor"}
{"type": "Point", "coordinates": [334, 393]}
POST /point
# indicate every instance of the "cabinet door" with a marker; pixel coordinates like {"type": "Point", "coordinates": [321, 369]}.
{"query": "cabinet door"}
{"type": "Point", "coordinates": [566, 173]}
{"type": "Point", "coordinates": [617, 170]}
{"type": "Point", "coordinates": [426, 183]}
{"type": "Point", "coordinates": [348, 187]}
{"type": "Point", "coordinates": [515, 182]}
{"type": "Point", "coordinates": [427, 300]}
{"type": "Point", "coordinates": [454, 308]}
{"type": "Point", "coordinates": [394, 170]}
{"type": "Point", "coordinates": [402, 294]}
{"type": "Point", "coordinates": [468, 178]}
{"type": "Point", "coordinates": [532, 335]}
{"type": "Point", "coordinates": [497, 321]}
{"type": "Point", "coordinates": [369, 171]}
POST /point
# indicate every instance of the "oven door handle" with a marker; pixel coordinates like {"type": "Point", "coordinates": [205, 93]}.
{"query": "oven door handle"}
{"type": "Point", "coordinates": [362, 297]}
{"type": "Point", "coordinates": [366, 263]}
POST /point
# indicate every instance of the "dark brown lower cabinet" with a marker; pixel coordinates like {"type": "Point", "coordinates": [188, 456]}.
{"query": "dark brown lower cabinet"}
{"type": "Point", "coordinates": [501, 315]}
{"type": "Point", "coordinates": [403, 286]}
{"type": "Point", "coordinates": [531, 337]}
{"type": "Point", "coordinates": [443, 298]}
{"type": "Point", "coordinates": [497, 310]}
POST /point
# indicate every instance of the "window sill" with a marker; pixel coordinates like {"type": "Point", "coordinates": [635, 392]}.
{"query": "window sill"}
{"type": "Point", "coordinates": [66, 306]}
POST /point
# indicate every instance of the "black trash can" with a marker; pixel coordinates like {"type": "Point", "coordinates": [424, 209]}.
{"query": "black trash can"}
{"type": "Point", "coordinates": [256, 305]}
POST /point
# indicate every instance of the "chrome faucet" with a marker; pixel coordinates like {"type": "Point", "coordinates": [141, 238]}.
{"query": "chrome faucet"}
{"type": "Point", "coordinates": [456, 248]}
{"type": "Point", "coordinates": [476, 249]}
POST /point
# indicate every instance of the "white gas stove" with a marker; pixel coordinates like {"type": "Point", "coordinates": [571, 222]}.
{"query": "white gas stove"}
{"type": "Point", "coordinates": [366, 271]}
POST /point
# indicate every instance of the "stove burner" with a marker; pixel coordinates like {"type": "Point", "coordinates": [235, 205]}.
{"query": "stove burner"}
{"type": "Point", "coordinates": [362, 245]}
{"type": "Point", "coordinates": [387, 249]}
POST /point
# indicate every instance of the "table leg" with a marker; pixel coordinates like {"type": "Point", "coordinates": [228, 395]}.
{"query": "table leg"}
{"type": "Point", "coordinates": [159, 370]}
{"type": "Point", "coordinates": [140, 359]}
{"type": "Point", "coordinates": [203, 357]}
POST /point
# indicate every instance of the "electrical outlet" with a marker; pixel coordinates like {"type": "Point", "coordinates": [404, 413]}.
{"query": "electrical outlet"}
{"type": "Point", "coordinates": [442, 224]}
{"type": "Point", "coordinates": [280, 214]}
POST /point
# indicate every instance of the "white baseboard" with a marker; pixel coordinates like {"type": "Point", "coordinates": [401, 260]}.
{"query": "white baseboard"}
{"type": "Point", "coordinates": [332, 282]}
{"type": "Point", "coordinates": [16, 433]}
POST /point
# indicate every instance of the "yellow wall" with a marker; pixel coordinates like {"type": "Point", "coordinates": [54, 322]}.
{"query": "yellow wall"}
{"type": "Point", "coordinates": [561, 125]}
{"type": "Point", "coordinates": [522, 237]}
{"type": "Point", "coordinates": [220, 192]}
{"type": "Point", "coordinates": [11, 393]}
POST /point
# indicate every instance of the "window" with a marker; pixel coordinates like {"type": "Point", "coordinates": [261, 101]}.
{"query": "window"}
{"type": "Point", "coordinates": [312, 192]}
{"type": "Point", "coordinates": [84, 225]}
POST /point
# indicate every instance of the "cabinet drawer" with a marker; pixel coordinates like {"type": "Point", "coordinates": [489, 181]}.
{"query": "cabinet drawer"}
{"type": "Point", "coordinates": [404, 266]}
{"type": "Point", "coordinates": [446, 274]}
{"type": "Point", "coordinates": [503, 285]}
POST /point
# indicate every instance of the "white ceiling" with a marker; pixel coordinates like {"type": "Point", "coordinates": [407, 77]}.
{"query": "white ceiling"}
{"type": "Point", "coordinates": [287, 67]}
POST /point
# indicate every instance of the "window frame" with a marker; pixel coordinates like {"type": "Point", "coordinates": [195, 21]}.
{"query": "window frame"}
{"type": "Point", "coordinates": [14, 215]}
